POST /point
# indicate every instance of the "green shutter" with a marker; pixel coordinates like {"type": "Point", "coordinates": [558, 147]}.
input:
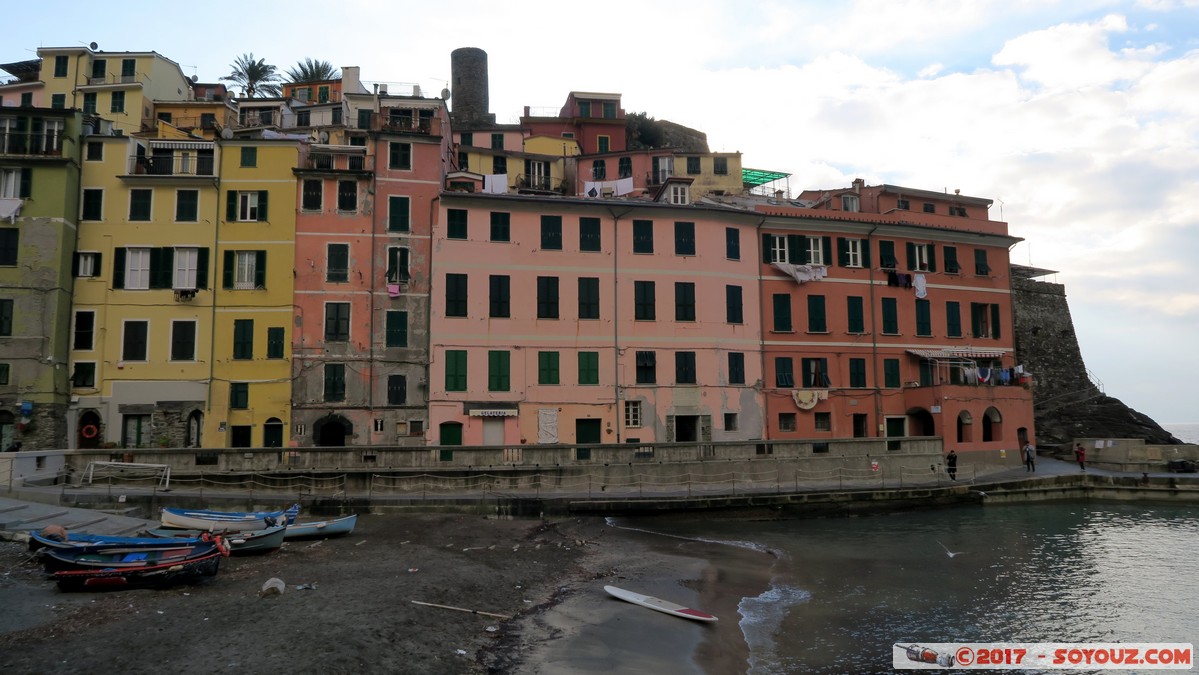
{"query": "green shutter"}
{"type": "Point", "coordinates": [995, 321]}
{"type": "Point", "coordinates": [397, 329]}
{"type": "Point", "coordinates": [865, 252]}
{"type": "Point", "coordinates": [826, 247]}
{"type": "Point", "coordinates": [262, 205]}
{"type": "Point", "coordinates": [842, 252]}
{"type": "Point", "coordinates": [227, 273]}
{"type": "Point", "coordinates": [156, 268]}
{"type": "Point", "coordinates": [767, 244]}
{"type": "Point", "coordinates": [932, 257]}
{"type": "Point", "coordinates": [911, 256]}
{"type": "Point", "coordinates": [26, 183]}
{"type": "Point", "coordinates": [796, 252]}
{"type": "Point", "coordinates": [231, 205]}
{"type": "Point", "coordinates": [202, 267]}
{"type": "Point", "coordinates": [118, 268]}
{"type": "Point", "coordinates": [260, 269]}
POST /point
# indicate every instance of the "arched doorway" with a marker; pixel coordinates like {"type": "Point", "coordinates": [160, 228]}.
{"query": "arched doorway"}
{"type": "Point", "coordinates": [332, 431]}
{"type": "Point", "coordinates": [90, 434]}
{"type": "Point", "coordinates": [272, 433]}
{"type": "Point", "coordinates": [450, 433]}
{"type": "Point", "coordinates": [195, 429]}
{"type": "Point", "coordinates": [921, 423]}
{"type": "Point", "coordinates": [992, 425]}
{"type": "Point", "coordinates": [965, 427]}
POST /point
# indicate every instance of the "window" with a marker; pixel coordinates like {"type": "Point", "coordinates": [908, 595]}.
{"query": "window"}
{"type": "Point", "coordinates": [312, 194]}
{"type": "Point", "coordinates": [208, 120]}
{"type": "Point", "coordinates": [239, 395]}
{"type": "Point", "coordinates": [347, 195]}
{"type": "Point", "coordinates": [693, 165]}
{"type": "Point", "coordinates": [89, 103]}
{"type": "Point", "coordinates": [9, 238]}
{"type": "Point", "coordinates": [643, 301]}
{"type": "Point", "coordinates": [730, 421]}
{"type": "Point", "coordinates": [823, 422]}
{"type": "Point", "coordinates": [547, 367]}
{"type": "Point", "coordinates": [775, 248]}
{"type": "Point", "coordinates": [500, 296]}
{"type": "Point", "coordinates": [60, 65]}
{"type": "Point", "coordinates": [720, 166]}
{"type": "Point", "coordinates": [397, 390]}
{"type": "Point", "coordinates": [398, 214]}
{"type": "Point", "coordinates": [784, 371]}
{"type": "Point", "coordinates": [599, 169]}
{"type": "Point", "coordinates": [337, 322]}
{"type": "Point", "coordinates": [85, 330]}
{"type": "Point", "coordinates": [136, 268]}
{"type": "Point", "coordinates": [87, 264]}
{"type": "Point", "coordinates": [647, 367]}
{"type": "Point", "coordinates": [399, 156]}
{"type": "Point", "coordinates": [959, 211]}
{"type": "Point", "coordinates": [952, 266]}
{"type": "Point", "coordinates": [93, 204]}
{"type": "Point", "coordinates": [6, 317]}
{"type": "Point", "coordinates": [396, 328]}
{"type": "Point", "coordinates": [95, 151]}
{"type": "Point", "coordinates": [786, 421]}
{"type": "Point", "coordinates": [455, 370]}
{"type": "Point", "coordinates": [83, 376]}
{"type": "Point", "coordinates": [455, 295]}
{"type": "Point", "coordinates": [498, 368]}
{"type": "Point", "coordinates": [604, 143]}
{"type": "Point", "coordinates": [243, 338]}
{"type": "Point", "coordinates": [684, 301]}
{"type": "Point", "coordinates": [274, 342]}
{"type": "Point", "coordinates": [891, 373]}
{"type": "Point", "coordinates": [890, 316]}
{"type": "Point", "coordinates": [187, 206]}
{"type": "Point", "coordinates": [497, 141]}
{"type": "Point", "coordinates": [588, 367]}
{"type": "Point", "coordinates": [924, 318]}
{"type": "Point", "coordinates": [855, 312]}
{"type": "Point", "coordinates": [849, 203]}
{"type": "Point", "coordinates": [953, 319]}
{"type": "Point", "coordinates": [499, 166]}
{"type": "Point", "coordinates": [886, 255]}
{"type": "Point", "coordinates": [589, 234]}
{"type": "Point", "coordinates": [335, 382]}
{"type": "Point", "coordinates": [304, 118]}
{"type": "Point", "coordinates": [584, 108]}
{"type": "Point", "coordinates": [183, 341]}
{"type": "Point", "coordinates": [984, 320]}
{"type": "Point", "coordinates": [815, 373]}
{"type": "Point", "coordinates": [643, 236]}
{"type": "Point", "coordinates": [782, 313]}
{"type": "Point", "coordinates": [736, 368]}
{"type": "Point", "coordinates": [815, 247]}
{"type": "Point", "coordinates": [466, 138]}
{"type": "Point", "coordinates": [680, 194]}
{"type": "Point", "coordinates": [397, 265]}
{"type": "Point", "coordinates": [624, 167]}
{"type": "Point", "coordinates": [733, 310]}
{"type": "Point", "coordinates": [853, 252]}
{"type": "Point", "coordinates": [684, 367]}
{"type": "Point", "coordinates": [139, 204]}
{"type": "Point", "coordinates": [455, 224]}
{"type": "Point", "coordinates": [921, 257]}
{"type": "Point", "coordinates": [128, 69]}
{"type": "Point", "coordinates": [547, 297]}
{"type": "Point", "coordinates": [816, 317]}
{"type": "Point", "coordinates": [589, 298]}
{"type": "Point", "coordinates": [118, 102]}
{"type": "Point", "coordinates": [632, 414]}
{"type": "Point", "coordinates": [337, 263]}
{"type": "Point", "coordinates": [551, 233]}
{"type": "Point", "coordinates": [245, 270]}
{"type": "Point", "coordinates": [929, 207]}
{"type": "Point", "coordinates": [981, 267]}
{"type": "Point", "coordinates": [684, 238]}
{"type": "Point", "coordinates": [16, 183]}
{"type": "Point", "coordinates": [245, 206]}
{"type": "Point", "coordinates": [249, 157]}
{"type": "Point", "coordinates": [501, 226]}
{"type": "Point", "coordinates": [857, 373]}
{"type": "Point", "coordinates": [133, 343]}
{"type": "Point", "coordinates": [732, 243]}
{"type": "Point", "coordinates": [187, 274]}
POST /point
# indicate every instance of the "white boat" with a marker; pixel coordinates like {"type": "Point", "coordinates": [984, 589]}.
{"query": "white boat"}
{"type": "Point", "coordinates": [658, 604]}
{"type": "Point", "coordinates": [226, 521]}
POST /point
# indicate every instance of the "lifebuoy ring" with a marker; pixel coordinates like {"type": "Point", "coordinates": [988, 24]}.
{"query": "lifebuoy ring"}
{"type": "Point", "coordinates": [89, 431]}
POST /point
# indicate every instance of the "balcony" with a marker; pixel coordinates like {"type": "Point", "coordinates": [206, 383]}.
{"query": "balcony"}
{"type": "Point", "coordinates": [394, 122]}
{"type": "Point", "coordinates": [540, 183]}
{"type": "Point", "coordinates": [332, 161]}
{"type": "Point", "coordinates": [23, 144]}
{"type": "Point", "coordinates": [172, 165]}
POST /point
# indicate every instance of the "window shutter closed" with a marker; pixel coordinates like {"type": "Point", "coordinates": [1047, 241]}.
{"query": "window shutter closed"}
{"type": "Point", "coordinates": [202, 268]}
{"type": "Point", "coordinates": [842, 252]}
{"type": "Point", "coordinates": [262, 205]}
{"type": "Point", "coordinates": [260, 269]}
{"type": "Point", "coordinates": [118, 268]}
{"type": "Point", "coordinates": [796, 253]}
{"type": "Point", "coordinates": [767, 245]}
{"type": "Point", "coordinates": [26, 183]}
{"type": "Point", "coordinates": [865, 252]}
{"type": "Point", "coordinates": [227, 272]}
{"type": "Point", "coordinates": [75, 265]}
{"type": "Point", "coordinates": [826, 247]}
{"type": "Point", "coordinates": [995, 321]}
{"type": "Point", "coordinates": [231, 205]}
{"type": "Point", "coordinates": [932, 257]}
{"type": "Point", "coordinates": [911, 256]}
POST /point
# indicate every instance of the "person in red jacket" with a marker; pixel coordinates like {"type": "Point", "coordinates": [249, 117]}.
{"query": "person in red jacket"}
{"type": "Point", "coordinates": [1080, 453]}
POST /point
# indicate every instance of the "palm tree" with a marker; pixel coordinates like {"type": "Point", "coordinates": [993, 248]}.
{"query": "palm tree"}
{"type": "Point", "coordinates": [310, 70]}
{"type": "Point", "coordinates": [255, 78]}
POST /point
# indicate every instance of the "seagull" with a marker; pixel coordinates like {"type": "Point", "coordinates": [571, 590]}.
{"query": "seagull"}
{"type": "Point", "coordinates": [950, 553]}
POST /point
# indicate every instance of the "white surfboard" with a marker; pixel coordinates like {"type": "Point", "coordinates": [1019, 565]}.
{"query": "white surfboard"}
{"type": "Point", "coordinates": [658, 604]}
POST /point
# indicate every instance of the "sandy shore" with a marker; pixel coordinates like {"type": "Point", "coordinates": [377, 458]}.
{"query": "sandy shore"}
{"type": "Point", "coordinates": [548, 576]}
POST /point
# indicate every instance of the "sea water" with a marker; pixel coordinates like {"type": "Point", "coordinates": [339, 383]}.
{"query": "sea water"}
{"type": "Point", "coordinates": [1187, 432]}
{"type": "Point", "coordinates": [844, 590]}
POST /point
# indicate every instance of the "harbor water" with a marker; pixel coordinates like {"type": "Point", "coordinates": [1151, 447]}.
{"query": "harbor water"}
{"type": "Point", "coordinates": [842, 591]}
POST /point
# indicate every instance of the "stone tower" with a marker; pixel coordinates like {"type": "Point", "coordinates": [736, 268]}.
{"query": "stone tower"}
{"type": "Point", "coordinates": [469, 101]}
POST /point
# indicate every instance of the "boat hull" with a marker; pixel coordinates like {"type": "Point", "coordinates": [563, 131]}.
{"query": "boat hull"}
{"type": "Point", "coordinates": [226, 521]}
{"type": "Point", "coordinates": [240, 543]}
{"type": "Point", "coordinates": [324, 528]}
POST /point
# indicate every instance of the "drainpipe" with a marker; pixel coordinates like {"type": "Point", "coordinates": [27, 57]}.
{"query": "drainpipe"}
{"type": "Point", "coordinates": [215, 279]}
{"type": "Point", "coordinates": [878, 400]}
{"type": "Point", "coordinates": [762, 326]}
{"type": "Point", "coordinates": [618, 413]}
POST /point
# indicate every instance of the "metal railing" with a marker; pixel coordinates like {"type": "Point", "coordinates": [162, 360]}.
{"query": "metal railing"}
{"type": "Point", "coordinates": [37, 145]}
{"type": "Point", "coordinates": [175, 165]}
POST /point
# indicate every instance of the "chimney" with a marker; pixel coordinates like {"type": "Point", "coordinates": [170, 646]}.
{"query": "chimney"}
{"type": "Point", "coordinates": [350, 84]}
{"type": "Point", "coordinates": [858, 184]}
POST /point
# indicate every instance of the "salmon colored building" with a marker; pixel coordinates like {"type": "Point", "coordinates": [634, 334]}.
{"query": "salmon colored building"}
{"type": "Point", "coordinates": [558, 320]}
{"type": "Point", "coordinates": [887, 312]}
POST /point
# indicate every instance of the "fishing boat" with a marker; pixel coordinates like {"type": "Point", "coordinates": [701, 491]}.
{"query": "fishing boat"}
{"type": "Point", "coordinates": [38, 540]}
{"type": "Point", "coordinates": [323, 528]}
{"type": "Point", "coordinates": [240, 543]}
{"type": "Point", "coordinates": [227, 521]}
{"type": "Point", "coordinates": [107, 566]}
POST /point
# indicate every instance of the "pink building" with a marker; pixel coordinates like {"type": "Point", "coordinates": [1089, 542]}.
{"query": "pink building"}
{"type": "Point", "coordinates": [559, 320]}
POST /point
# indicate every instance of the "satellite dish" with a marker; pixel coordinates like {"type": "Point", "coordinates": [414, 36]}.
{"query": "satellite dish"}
{"type": "Point", "coordinates": [93, 46]}
{"type": "Point", "coordinates": [445, 94]}
{"type": "Point", "coordinates": [195, 78]}
{"type": "Point", "coordinates": [226, 133]}
{"type": "Point", "coordinates": [324, 137]}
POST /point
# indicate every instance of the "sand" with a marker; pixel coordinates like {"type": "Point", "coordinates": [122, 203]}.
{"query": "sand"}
{"type": "Point", "coordinates": [360, 617]}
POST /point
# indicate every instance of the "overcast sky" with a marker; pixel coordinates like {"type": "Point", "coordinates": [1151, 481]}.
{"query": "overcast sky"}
{"type": "Point", "coordinates": [1079, 119]}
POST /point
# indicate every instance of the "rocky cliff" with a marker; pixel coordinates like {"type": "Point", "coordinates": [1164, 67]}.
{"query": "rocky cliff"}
{"type": "Point", "coordinates": [1067, 403]}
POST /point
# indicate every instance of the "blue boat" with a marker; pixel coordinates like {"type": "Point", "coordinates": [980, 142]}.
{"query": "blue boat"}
{"type": "Point", "coordinates": [227, 521]}
{"type": "Point", "coordinates": [77, 539]}
{"type": "Point", "coordinates": [114, 566]}
{"type": "Point", "coordinates": [323, 528]}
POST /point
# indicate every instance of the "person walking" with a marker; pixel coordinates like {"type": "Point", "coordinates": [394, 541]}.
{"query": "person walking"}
{"type": "Point", "coordinates": [15, 446]}
{"type": "Point", "coordinates": [1080, 453]}
{"type": "Point", "coordinates": [951, 464]}
{"type": "Point", "coordinates": [1030, 457]}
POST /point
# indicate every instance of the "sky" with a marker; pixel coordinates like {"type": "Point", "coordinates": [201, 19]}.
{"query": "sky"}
{"type": "Point", "coordinates": [1080, 120]}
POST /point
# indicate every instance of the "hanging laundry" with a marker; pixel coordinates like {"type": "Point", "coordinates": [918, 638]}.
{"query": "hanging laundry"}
{"type": "Point", "coordinates": [984, 374]}
{"type": "Point", "coordinates": [921, 286]}
{"type": "Point", "coordinates": [892, 279]}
